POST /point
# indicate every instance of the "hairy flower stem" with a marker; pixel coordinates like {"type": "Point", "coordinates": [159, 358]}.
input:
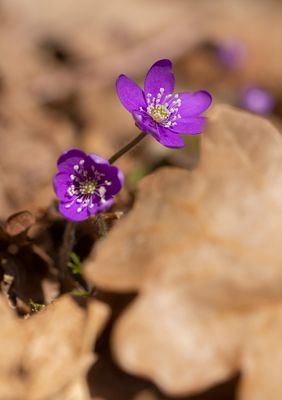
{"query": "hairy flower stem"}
{"type": "Point", "coordinates": [127, 147]}
{"type": "Point", "coordinates": [101, 226]}
{"type": "Point", "coordinates": [68, 243]}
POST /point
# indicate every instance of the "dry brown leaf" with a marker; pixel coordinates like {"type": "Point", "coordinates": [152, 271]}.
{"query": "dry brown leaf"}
{"type": "Point", "coordinates": [48, 355]}
{"type": "Point", "coordinates": [262, 358]}
{"type": "Point", "coordinates": [19, 222]}
{"type": "Point", "coordinates": [13, 341]}
{"type": "Point", "coordinates": [203, 248]}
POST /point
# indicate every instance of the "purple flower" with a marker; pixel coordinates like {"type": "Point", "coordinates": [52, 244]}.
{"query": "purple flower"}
{"type": "Point", "coordinates": [160, 113]}
{"type": "Point", "coordinates": [257, 100]}
{"type": "Point", "coordinates": [231, 53]}
{"type": "Point", "coordinates": [85, 184]}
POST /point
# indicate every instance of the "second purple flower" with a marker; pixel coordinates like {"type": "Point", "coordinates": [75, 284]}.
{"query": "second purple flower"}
{"type": "Point", "coordinates": [85, 184]}
{"type": "Point", "coordinates": [159, 112]}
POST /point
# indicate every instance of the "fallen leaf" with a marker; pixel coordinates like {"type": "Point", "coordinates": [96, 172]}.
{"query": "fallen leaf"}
{"type": "Point", "coordinates": [13, 341]}
{"type": "Point", "coordinates": [48, 355]}
{"type": "Point", "coordinates": [19, 222]}
{"type": "Point", "coordinates": [262, 358]}
{"type": "Point", "coordinates": [203, 249]}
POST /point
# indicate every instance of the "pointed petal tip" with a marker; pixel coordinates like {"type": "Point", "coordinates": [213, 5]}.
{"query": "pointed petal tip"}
{"type": "Point", "coordinates": [129, 93]}
{"type": "Point", "coordinates": [207, 94]}
{"type": "Point", "coordinates": [164, 62]}
{"type": "Point", "coordinates": [120, 77]}
{"type": "Point", "coordinates": [160, 75]}
{"type": "Point", "coordinates": [68, 154]}
{"type": "Point", "coordinates": [97, 159]}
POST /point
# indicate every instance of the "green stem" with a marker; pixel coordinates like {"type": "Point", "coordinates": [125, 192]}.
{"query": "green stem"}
{"type": "Point", "coordinates": [69, 234]}
{"type": "Point", "coordinates": [127, 147]}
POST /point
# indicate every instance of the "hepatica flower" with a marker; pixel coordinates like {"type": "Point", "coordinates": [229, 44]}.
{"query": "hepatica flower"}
{"type": "Point", "coordinates": [257, 100]}
{"type": "Point", "coordinates": [85, 184]}
{"type": "Point", "coordinates": [159, 112]}
{"type": "Point", "coordinates": [231, 53]}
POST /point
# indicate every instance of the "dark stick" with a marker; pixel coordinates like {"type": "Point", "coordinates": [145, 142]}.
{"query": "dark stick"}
{"type": "Point", "coordinates": [127, 147]}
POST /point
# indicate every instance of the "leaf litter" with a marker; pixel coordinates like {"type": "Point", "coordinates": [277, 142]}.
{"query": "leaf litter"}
{"type": "Point", "coordinates": [191, 277]}
{"type": "Point", "coordinates": [203, 251]}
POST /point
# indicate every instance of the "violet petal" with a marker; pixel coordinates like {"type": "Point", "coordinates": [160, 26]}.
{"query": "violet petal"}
{"type": "Point", "coordinates": [72, 214]}
{"type": "Point", "coordinates": [85, 184]}
{"type": "Point", "coordinates": [104, 206]}
{"type": "Point", "coordinates": [146, 123]}
{"type": "Point", "coordinates": [191, 126]}
{"type": "Point", "coordinates": [257, 100]}
{"type": "Point", "coordinates": [160, 75]}
{"type": "Point", "coordinates": [61, 185]}
{"type": "Point", "coordinates": [69, 158]}
{"type": "Point", "coordinates": [129, 93]}
{"type": "Point", "coordinates": [170, 139]}
{"type": "Point", "coordinates": [194, 103]}
{"type": "Point", "coordinates": [98, 160]}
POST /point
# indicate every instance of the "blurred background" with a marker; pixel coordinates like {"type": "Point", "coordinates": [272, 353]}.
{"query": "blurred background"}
{"type": "Point", "coordinates": [59, 60]}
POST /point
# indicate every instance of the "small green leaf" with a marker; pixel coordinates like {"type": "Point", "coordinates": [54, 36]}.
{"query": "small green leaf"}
{"type": "Point", "coordinates": [74, 264]}
{"type": "Point", "coordinates": [35, 307]}
{"type": "Point", "coordinates": [81, 293]}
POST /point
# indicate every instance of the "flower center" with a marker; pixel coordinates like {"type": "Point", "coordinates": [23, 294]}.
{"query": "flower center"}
{"type": "Point", "coordinates": [87, 187]}
{"type": "Point", "coordinates": [86, 183]}
{"type": "Point", "coordinates": [163, 109]}
{"type": "Point", "coordinates": [160, 113]}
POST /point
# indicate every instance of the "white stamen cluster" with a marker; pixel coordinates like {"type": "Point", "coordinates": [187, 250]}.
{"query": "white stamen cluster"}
{"type": "Point", "coordinates": [163, 109]}
{"type": "Point", "coordinates": [85, 185]}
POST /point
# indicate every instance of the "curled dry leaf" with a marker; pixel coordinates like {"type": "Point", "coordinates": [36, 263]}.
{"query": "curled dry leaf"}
{"type": "Point", "coordinates": [203, 249]}
{"type": "Point", "coordinates": [48, 355]}
{"type": "Point", "coordinates": [19, 223]}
